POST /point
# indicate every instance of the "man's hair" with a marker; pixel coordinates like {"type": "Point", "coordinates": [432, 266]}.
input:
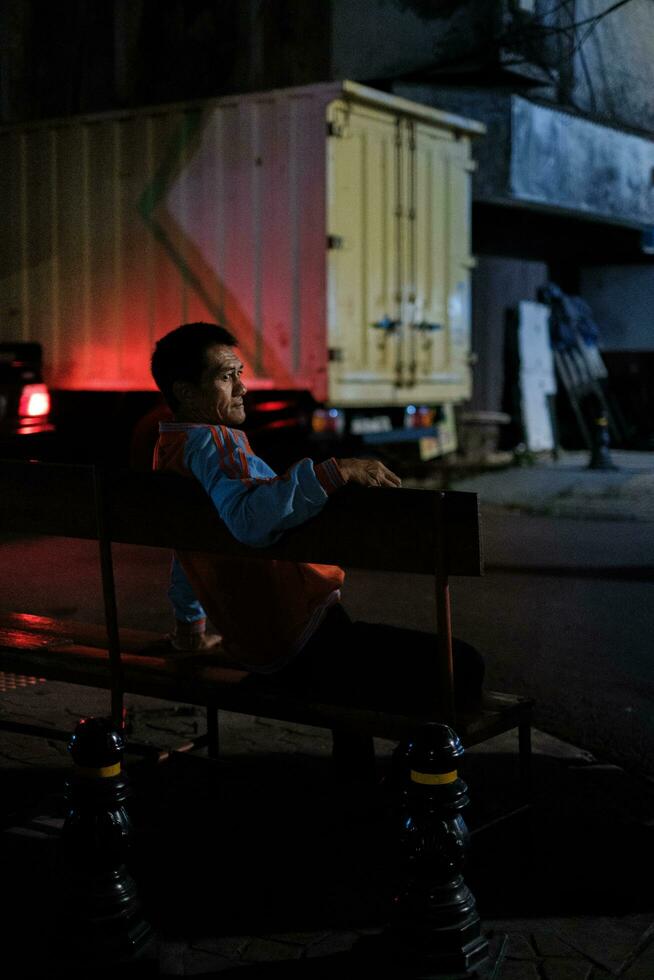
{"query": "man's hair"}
{"type": "Point", "coordinates": [179, 355]}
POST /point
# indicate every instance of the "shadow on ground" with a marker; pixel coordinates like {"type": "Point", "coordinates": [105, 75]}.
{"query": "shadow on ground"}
{"type": "Point", "coordinates": [275, 844]}
{"type": "Point", "coordinates": [282, 845]}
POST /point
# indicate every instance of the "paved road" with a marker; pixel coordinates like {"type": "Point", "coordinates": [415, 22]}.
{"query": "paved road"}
{"type": "Point", "coordinates": [565, 614]}
{"type": "Point", "coordinates": [568, 620]}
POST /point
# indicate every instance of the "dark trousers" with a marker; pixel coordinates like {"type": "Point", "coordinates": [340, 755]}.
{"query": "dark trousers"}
{"type": "Point", "coordinates": [384, 666]}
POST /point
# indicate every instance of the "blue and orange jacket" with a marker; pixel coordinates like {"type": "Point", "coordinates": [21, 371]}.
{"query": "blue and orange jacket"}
{"type": "Point", "coordinates": [265, 610]}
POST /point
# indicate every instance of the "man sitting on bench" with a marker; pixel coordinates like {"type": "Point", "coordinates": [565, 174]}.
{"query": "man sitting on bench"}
{"type": "Point", "coordinates": [275, 617]}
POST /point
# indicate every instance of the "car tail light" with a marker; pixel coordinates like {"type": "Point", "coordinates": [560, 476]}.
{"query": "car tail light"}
{"type": "Point", "coordinates": [34, 402]}
{"type": "Point", "coordinates": [273, 406]}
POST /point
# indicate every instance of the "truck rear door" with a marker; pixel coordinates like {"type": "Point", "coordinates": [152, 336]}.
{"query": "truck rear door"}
{"type": "Point", "coordinates": [398, 212]}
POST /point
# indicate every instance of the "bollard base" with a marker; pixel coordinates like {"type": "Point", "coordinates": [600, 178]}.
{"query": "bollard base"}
{"type": "Point", "coordinates": [600, 454]}
{"type": "Point", "coordinates": [101, 927]}
{"type": "Point", "coordinates": [138, 964]}
{"type": "Point", "coordinates": [434, 962]}
{"type": "Point", "coordinates": [103, 915]}
{"type": "Point", "coordinates": [601, 460]}
{"type": "Point", "coordinates": [480, 960]}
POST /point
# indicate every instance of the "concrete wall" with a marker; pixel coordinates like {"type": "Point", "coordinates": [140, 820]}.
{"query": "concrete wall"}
{"type": "Point", "coordinates": [622, 300]}
{"type": "Point", "coordinates": [498, 285]}
{"type": "Point", "coordinates": [385, 38]}
{"type": "Point", "coordinates": [605, 68]}
{"type": "Point", "coordinates": [617, 82]}
{"type": "Point", "coordinates": [536, 155]}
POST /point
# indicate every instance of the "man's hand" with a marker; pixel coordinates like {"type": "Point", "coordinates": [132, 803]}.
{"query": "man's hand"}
{"type": "Point", "coordinates": [368, 473]}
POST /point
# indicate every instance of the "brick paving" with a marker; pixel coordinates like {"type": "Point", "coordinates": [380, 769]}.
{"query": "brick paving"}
{"type": "Point", "coordinates": [268, 862]}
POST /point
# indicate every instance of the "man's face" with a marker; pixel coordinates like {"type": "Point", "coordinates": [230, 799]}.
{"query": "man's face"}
{"type": "Point", "coordinates": [218, 397]}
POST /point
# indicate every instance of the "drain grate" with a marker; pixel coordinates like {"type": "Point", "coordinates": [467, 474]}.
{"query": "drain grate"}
{"type": "Point", "coordinates": [12, 682]}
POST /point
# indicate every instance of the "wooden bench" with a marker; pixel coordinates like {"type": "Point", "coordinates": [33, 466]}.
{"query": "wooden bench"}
{"type": "Point", "coordinates": [410, 531]}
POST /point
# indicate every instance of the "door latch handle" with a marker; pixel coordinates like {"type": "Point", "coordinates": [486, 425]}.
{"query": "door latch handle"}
{"type": "Point", "coordinates": [386, 324]}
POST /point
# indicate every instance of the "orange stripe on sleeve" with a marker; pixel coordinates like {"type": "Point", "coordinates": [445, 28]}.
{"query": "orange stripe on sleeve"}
{"type": "Point", "coordinates": [220, 447]}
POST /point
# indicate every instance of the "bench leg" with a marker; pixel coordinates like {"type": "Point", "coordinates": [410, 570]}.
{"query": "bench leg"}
{"type": "Point", "coordinates": [353, 755]}
{"type": "Point", "coordinates": [524, 760]}
{"type": "Point", "coordinates": [213, 742]}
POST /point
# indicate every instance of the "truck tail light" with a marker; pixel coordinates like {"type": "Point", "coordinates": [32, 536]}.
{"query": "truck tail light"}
{"type": "Point", "coordinates": [328, 420]}
{"type": "Point", "coordinates": [418, 417]}
{"type": "Point", "coordinates": [34, 402]}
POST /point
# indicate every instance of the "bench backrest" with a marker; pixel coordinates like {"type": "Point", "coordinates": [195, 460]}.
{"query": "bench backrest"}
{"type": "Point", "coordinates": [384, 529]}
{"type": "Point", "coordinates": [419, 531]}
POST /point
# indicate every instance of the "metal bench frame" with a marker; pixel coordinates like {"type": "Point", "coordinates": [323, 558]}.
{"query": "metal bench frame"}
{"type": "Point", "coordinates": [414, 531]}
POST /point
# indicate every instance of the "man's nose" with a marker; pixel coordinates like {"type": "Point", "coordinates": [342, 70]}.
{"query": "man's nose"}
{"type": "Point", "coordinates": [240, 386]}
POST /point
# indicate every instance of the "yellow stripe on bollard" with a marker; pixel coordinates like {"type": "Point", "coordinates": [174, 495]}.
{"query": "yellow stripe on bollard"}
{"type": "Point", "coordinates": [104, 772]}
{"type": "Point", "coordinates": [433, 778]}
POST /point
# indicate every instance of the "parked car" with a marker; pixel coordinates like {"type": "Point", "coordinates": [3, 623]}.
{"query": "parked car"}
{"type": "Point", "coordinates": [25, 425]}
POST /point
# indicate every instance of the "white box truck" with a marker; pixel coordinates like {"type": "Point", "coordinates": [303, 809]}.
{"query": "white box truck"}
{"type": "Point", "coordinates": [327, 226]}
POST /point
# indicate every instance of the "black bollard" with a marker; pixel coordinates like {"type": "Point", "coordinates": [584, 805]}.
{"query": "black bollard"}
{"type": "Point", "coordinates": [600, 455]}
{"type": "Point", "coordinates": [103, 923]}
{"type": "Point", "coordinates": [435, 930]}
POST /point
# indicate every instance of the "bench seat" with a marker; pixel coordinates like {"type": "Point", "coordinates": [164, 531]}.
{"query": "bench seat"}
{"type": "Point", "coordinates": [75, 652]}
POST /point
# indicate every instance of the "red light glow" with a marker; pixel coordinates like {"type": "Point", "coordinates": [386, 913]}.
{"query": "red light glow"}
{"type": "Point", "coordinates": [280, 424]}
{"type": "Point", "coordinates": [34, 401]}
{"type": "Point", "coordinates": [272, 406]}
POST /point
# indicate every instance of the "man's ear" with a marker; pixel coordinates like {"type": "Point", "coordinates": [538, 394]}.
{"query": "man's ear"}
{"type": "Point", "coordinates": [182, 390]}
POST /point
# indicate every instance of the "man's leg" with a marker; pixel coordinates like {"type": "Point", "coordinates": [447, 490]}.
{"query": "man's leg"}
{"type": "Point", "coordinates": [190, 634]}
{"type": "Point", "coordinates": [360, 662]}
{"type": "Point", "coordinates": [401, 666]}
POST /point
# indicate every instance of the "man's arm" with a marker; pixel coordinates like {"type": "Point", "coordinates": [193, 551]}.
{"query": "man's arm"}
{"type": "Point", "coordinates": [255, 504]}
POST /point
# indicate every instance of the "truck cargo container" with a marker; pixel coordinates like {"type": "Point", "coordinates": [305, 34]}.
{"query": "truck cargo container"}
{"type": "Point", "coordinates": [327, 226]}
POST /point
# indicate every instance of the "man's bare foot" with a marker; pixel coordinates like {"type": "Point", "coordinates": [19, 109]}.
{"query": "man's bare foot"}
{"type": "Point", "coordinates": [195, 642]}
